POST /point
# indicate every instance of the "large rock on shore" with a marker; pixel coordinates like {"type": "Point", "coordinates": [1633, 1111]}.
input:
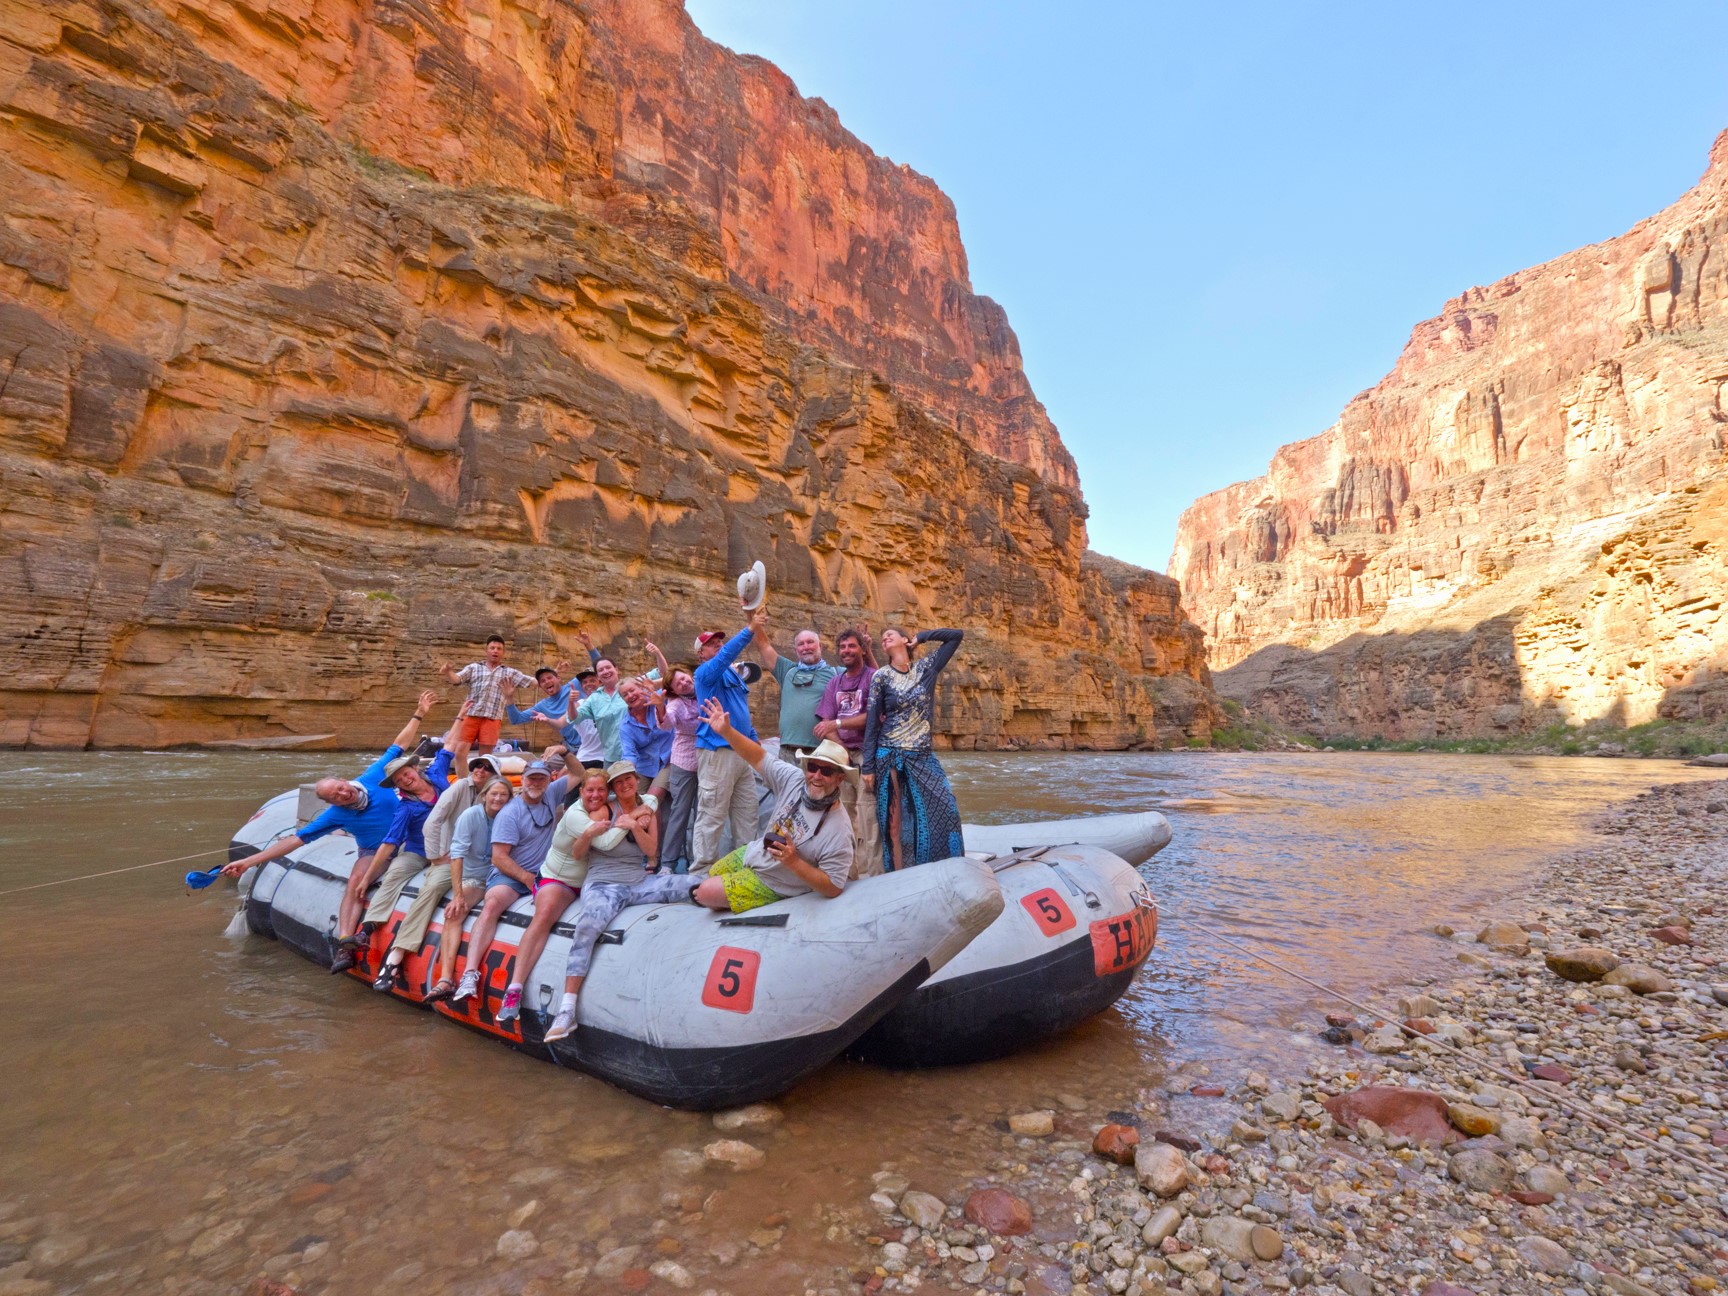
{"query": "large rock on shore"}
{"type": "Point", "coordinates": [338, 338]}
{"type": "Point", "coordinates": [1582, 963]}
{"type": "Point", "coordinates": [1161, 1169]}
{"type": "Point", "coordinates": [1522, 523]}
{"type": "Point", "coordinates": [1414, 1114]}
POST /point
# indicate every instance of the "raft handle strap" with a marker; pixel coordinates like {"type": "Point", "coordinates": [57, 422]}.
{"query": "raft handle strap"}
{"type": "Point", "coordinates": [1074, 888]}
{"type": "Point", "coordinates": [757, 920]}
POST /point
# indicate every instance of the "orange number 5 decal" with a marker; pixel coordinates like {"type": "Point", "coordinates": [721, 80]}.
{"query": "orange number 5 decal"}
{"type": "Point", "coordinates": [731, 980]}
{"type": "Point", "coordinates": [1048, 911]}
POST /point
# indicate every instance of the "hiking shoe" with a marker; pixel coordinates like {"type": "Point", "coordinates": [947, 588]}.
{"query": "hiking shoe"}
{"type": "Point", "coordinates": [467, 988]}
{"type": "Point", "coordinates": [342, 963]}
{"type": "Point", "coordinates": [563, 1024]}
{"type": "Point", "coordinates": [389, 976]}
{"type": "Point", "coordinates": [512, 1008]}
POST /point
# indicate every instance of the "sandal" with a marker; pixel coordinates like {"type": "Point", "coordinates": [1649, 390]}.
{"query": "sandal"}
{"type": "Point", "coordinates": [440, 992]}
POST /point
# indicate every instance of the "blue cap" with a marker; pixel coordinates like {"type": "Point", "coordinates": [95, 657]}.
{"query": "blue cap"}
{"type": "Point", "coordinates": [536, 767]}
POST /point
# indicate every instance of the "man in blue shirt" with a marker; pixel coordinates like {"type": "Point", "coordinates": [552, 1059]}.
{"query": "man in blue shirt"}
{"type": "Point", "coordinates": [725, 787]}
{"type": "Point", "coordinates": [401, 856]}
{"type": "Point", "coordinates": [363, 808]}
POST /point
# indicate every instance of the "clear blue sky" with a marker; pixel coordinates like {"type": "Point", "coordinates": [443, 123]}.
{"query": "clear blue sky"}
{"type": "Point", "coordinates": [1211, 226]}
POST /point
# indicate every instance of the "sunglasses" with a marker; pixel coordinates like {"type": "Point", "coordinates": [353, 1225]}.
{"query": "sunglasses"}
{"type": "Point", "coordinates": [832, 771]}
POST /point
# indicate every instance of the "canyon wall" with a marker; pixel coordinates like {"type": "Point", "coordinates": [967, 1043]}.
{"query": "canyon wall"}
{"type": "Point", "coordinates": [338, 334]}
{"type": "Point", "coordinates": [1525, 522]}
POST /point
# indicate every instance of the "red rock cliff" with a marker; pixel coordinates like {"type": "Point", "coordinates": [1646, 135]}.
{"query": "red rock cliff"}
{"type": "Point", "coordinates": [1525, 521]}
{"type": "Point", "coordinates": [335, 335]}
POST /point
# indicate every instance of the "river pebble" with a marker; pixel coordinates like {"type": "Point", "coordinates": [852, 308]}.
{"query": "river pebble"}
{"type": "Point", "coordinates": [1421, 1171]}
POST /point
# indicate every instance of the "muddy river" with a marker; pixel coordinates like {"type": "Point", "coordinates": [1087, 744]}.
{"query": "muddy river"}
{"type": "Point", "coordinates": [189, 1113]}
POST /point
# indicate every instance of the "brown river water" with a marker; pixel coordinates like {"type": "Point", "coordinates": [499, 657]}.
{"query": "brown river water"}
{"type": "Point", "coordinates": [184, 1112]}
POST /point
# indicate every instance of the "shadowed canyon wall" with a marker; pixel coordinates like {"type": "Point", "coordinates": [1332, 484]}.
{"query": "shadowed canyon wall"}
{"type": "Point", "coordinates": [1525, 522]}
{"type": "Point", "coordinates": [338, 334]}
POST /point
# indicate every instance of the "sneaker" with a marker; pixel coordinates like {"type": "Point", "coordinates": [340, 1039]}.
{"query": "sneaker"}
{"type": "Point", "coordinates": [512, 1008]}
{"type": "Point", "coordinates": [387, 977]}
{"type": "Point", "coordinates": [467, 988]}
{"type": "Point", "coordinates": [342, 963]}
{"type": "Point", "coordinates": [563, 1024]}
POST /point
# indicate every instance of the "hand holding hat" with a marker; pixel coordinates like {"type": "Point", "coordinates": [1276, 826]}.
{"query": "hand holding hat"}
{"type": "Point", "coordinates": [753, 587]}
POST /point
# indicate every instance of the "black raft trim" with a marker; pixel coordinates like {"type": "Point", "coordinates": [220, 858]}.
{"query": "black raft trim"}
{"type": "Point", "coordinates": [703, 1079]}
{"type": "Point", "coordinates": [993, 1012]}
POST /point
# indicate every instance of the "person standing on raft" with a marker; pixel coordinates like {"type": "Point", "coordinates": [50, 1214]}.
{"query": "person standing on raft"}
{"type": "Point", "coordinates": [915, 807]}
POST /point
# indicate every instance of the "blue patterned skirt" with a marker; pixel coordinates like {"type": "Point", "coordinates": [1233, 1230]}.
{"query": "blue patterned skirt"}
{"type": "Point", "coordinates": [913, 796]}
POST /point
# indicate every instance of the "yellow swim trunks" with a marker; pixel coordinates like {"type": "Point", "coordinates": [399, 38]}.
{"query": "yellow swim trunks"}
{"type": "Point", "coordinates": [745, 888]}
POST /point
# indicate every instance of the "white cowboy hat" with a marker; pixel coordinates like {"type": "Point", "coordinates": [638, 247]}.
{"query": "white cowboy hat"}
{"type": "Point", "coordinates": [829, 752]}
{"type": "Point", "coordinates": [753, 587]}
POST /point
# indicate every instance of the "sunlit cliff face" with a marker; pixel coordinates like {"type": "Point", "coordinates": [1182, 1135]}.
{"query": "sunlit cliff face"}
{"type": "Point", "coordinates": [319, 374]}
{"type": "Point", "coordinates": [1522, 523]}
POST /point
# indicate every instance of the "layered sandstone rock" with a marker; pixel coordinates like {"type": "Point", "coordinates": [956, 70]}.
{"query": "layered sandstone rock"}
{"type": "Point", "coordinates": [335, 336]}
{"type": "Point", "coordinates": [1525, 522]}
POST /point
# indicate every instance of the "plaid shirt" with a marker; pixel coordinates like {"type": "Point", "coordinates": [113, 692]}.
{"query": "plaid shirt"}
{"type": "Point", "coordinates": [483, 687]}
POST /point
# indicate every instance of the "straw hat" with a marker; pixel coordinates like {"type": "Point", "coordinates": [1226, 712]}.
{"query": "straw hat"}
{"type": "Point", "coordinates": [829, 752]}
{"type": "Point", "coordinates": [753, 587]}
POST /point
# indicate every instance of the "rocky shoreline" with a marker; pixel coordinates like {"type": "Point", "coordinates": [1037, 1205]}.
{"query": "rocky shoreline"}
{"type": "Point", "coordinates": [1391, 1164]}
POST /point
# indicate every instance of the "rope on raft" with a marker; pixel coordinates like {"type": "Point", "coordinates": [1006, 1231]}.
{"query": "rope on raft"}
{"type": "Point", "coordinates": [178, 859]}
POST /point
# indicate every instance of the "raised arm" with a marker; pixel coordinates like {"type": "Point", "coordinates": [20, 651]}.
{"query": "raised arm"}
{"type": "Point", "coordinates": [411, 731]}
{"type": "Point", "coordinates": [582, 637]}
{"type": "Point", "coordinates": [949, 641]}
{"type": "Point", "coordinates": [448, 741]}
{"type": "Point", "coordinates": [765, 646]}
{"type": "Point", "coordinates": [451, 674]}
{"type": "Point", "coordinates": [659, 657]}
{"type": "Point", "coordinates": [751, 750]}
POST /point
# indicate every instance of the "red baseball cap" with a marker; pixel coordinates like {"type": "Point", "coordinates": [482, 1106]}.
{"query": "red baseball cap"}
{"type": "Point", "coordinates": [705, 638]}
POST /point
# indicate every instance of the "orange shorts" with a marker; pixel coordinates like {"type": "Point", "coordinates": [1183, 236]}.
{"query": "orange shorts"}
{"type": "Point", "coordinates": [479, 734]}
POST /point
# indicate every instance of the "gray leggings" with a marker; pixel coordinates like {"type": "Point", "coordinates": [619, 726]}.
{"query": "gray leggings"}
{"type": "Point", "coordinates": [601, 902]}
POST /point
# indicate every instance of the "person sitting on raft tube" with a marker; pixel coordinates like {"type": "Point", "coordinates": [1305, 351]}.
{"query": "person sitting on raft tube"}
{"type": "Point", "coordinates": [521, 834]}
{"type": "Point", "coordinates": [597, 842]}
{"type": "Point", "coordinates": [401, 856]}
{"type": "Point", "coordinates": [808, 845]}
{"type": "Point", "coordinates": [436, 832]}
{"type": "Point", "coordinates": [471, 861]}
{"type": "Point", "coordinates": [613, 845]}
{"type": "Point", "coordinates": [363, 807]}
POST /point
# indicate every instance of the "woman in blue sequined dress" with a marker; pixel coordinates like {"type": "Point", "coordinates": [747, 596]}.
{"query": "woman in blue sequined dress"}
{"type": "Point", "coordinates": [914, 803]}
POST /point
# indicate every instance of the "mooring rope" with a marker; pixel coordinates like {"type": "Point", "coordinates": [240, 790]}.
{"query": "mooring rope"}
{"type": "Point", "coordinates": [178, 859]}
{"type": "Point", "coordinates": [1711, 1172]}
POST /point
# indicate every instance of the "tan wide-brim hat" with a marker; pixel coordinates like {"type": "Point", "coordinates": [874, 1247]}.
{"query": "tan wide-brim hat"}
{"type": "Point", "coordinates": [753, 587]}
{"type": "Point", "coordinates": [407, 760]}
{"type": "Point", "coordinates": [829, 752]}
